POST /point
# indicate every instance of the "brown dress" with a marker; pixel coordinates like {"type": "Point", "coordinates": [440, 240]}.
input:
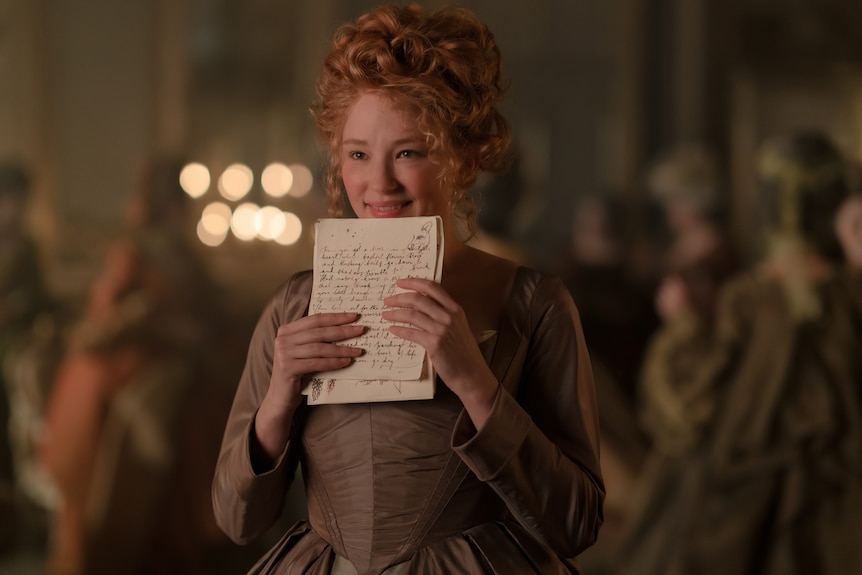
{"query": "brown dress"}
{"type": "Point", "coordinates": [412, 483]}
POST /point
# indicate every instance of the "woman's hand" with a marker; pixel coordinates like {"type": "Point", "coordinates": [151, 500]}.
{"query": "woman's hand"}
{"type": "Point", "coordinates": [304, 346]}
{"type": "Point", "coordinates": [438, 324]}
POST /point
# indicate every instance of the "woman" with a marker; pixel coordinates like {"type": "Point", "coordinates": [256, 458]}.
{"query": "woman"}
{"type": "Point", "coordinates": [499, 473]}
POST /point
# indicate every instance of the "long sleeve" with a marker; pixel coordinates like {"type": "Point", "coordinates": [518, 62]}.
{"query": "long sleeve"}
{"type": "Point", "coordinates": [247, 503]}
{"type": "Point", "coordinates": [540, 452]}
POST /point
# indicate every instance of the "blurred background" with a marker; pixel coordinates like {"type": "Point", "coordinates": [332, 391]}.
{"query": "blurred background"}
{"type": "Point", "coordinates": [598, 91]}
{"type": "Point", "coordinates": [93, 93]}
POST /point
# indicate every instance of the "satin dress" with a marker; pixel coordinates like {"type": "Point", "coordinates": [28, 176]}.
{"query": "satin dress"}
{"type": "Point", "coordinates": [411, 487]}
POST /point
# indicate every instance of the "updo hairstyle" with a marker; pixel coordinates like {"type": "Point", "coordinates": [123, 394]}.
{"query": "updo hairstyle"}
{"type": "Point", "coordinates": [444, 67]}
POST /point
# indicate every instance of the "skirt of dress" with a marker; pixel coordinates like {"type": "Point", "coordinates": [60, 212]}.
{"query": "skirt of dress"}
{"type": "Point", "coordinates": [487, 549]}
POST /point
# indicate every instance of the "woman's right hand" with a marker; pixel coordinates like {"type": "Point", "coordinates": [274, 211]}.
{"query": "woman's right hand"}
{"type": "Point", "coordinates": [308, 345]}
{"type": "Point", "coordinates": [304, 346]}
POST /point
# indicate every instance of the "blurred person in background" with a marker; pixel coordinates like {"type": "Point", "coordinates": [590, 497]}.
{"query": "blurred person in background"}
{"type": "Point", "coordinates": [697, 259]}
{"type": "Point", "coordinates": [848, 227]}
{"type": "Point", "coordinates": [772, 428]}
{"type": "Point", "coordinates": [139, 401]}
{"type": "Point", "coordinates": [614, 306]}
{"type": "Point", "coordinates": [617, 321]}
{"type": "Point", "coordinates": [686, 184]}
{"type": "Point", "coordinates": [26, 337]}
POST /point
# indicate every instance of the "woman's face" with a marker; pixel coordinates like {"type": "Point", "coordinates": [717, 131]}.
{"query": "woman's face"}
{"type": "Point", "coordinates": [385, 163]}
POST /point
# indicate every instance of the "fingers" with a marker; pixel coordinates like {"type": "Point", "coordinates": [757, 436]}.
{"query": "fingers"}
{"type": "Point", "coordinates": [318, 320]}
{"type": "Point", "coordinates": [301, 367]}
{"type": "Point", "coordinates": [329, 327]}
{"type": "Point", "coordinates": [424, 295]}
{"type": "Point", "coordinates": [426, 307]}
{"type": "Point", "coordinates": [427, 288]}
{"type": "Point", "coordinates": [322, 335]}
{"type": "Point", "coordinates": [322, 350]}
{"type": "Point", "coordinates": [310, 343]}
{"type": "Point", "coordinates": [416, 319]}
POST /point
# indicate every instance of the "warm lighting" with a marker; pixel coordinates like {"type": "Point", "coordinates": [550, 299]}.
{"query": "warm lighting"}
{"type": "Point", "coordinates": [303, 180]}
{"type": "Point", "coordinates": [292, 230]}
{"type": "Point", "coordinates": [215, 218]}
{"type": "Point", "coordinates": [195, 179]}
{"type": "Point", "coordinates": [235, 182]}
{"type": "Point", "coordinates": [248, 221]}
{"type": "Point", "coordinates": [276, 180]}
{"type": "Point", "coordinates": [208, 238]}
{"type": "Point", "coordinates": [242, 222]}
{"type": "Point", "coordinates": [269, 222]}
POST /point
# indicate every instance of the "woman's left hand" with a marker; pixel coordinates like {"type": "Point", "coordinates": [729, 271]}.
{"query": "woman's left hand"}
{"type": "Point", "coordinates": [437, 323]}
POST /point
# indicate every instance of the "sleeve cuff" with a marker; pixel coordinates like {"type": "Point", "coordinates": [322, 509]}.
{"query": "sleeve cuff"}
{"type": "Point", "coordinates": [254, 478]}
{"type": "Point", "coordinates": [487, 451]}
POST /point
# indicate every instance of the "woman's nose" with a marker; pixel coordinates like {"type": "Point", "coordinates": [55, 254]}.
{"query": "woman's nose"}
{"type": "Point", "coordinates": [383, 177]}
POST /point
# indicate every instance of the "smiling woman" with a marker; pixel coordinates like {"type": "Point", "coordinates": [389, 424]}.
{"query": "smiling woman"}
{"type": "Point", "coordinates": [499, 472]}
{"type": "Point", "coordinates": [386, 167]}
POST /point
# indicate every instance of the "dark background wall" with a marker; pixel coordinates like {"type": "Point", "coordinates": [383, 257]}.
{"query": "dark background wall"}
{"type": "Point", "coordinates": [598, 89]}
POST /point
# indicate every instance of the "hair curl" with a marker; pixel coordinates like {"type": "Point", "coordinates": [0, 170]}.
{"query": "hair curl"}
{"type": "Point", "coordinates": [445, 66]}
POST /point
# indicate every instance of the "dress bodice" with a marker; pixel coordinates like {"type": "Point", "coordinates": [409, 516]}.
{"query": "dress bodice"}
{"type": "Point", "coordinates": [382, 479]}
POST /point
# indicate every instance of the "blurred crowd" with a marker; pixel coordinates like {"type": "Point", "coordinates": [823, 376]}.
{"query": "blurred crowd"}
{"type": "Point", "coordinates": [112, 414]}
{"type": "Point", "coordinates": [730, 406]}
{"type": "Point", "coordinates": [728, 384]}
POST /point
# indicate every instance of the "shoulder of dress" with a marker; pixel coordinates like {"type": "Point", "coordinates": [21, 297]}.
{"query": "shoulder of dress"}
{"type": "Point", "coordinates": [301, 279]}
{"type": "Point", "coordinates": [291, 299]}
{"type": "Point", "coordinates": [535, 293]}
{"type": "Point", "coordinates": [545, 286]}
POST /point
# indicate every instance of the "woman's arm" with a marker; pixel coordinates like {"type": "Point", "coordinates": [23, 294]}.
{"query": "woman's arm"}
{"type": "Point", "coordinates": [540, 452]}
{"type": "Point", "coordinates": [247, 503]}
{"type": "Point", "coordinates": [259, 454]}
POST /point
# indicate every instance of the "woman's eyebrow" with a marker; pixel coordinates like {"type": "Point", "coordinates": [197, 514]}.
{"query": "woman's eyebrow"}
{"type": "Point", "coordinates": [400, 142]}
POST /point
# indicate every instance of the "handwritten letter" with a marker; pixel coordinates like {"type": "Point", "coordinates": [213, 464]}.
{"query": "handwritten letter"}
{"type": "Point", "coordinates": [356, 264]}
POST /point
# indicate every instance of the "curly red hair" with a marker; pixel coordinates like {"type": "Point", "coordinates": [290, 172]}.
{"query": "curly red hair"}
{"type": "Point", "coordinates": [445, 66]}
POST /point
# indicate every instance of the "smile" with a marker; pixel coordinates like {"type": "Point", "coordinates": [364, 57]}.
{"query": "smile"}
{"type": "Point", "coordinates": [388, 210]}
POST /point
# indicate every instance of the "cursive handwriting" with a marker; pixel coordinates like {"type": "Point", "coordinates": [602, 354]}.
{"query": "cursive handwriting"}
{"type": "Point", "coordinates": [356, 276]}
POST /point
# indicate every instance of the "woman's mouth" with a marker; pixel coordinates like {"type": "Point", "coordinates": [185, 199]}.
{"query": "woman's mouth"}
{"type": "Point", "coordinates": [388, 210]}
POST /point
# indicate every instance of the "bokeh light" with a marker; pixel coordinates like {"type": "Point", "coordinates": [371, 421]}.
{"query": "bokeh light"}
{"type": "Point", "coordinates": [292, 230]}
{"type": "Point", "coordinates": [235, 182]}
{"type": "Point", "coordinates": [276, 179]}
{"type": "Point", "coordinates": [242, 222]}
{"type": "Point", "coordinates": [248, 220]}
{"type": "Point", "coordinates": [215, 218]}
{"type": "Point", "coordinates": [269, 222]}
{"type": "Point", "coordinates": [208, 238]}
{"type": "Point", "coordinates": [195, 179]}
{"type": "Point", "coordinates": [303, 180]}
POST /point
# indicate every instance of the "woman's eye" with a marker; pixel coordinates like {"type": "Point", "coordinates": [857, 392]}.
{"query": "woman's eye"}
{"type": "Point", "coordinates": [356, 155]}
{"type": "Point", "coordinates": [408, 154]}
